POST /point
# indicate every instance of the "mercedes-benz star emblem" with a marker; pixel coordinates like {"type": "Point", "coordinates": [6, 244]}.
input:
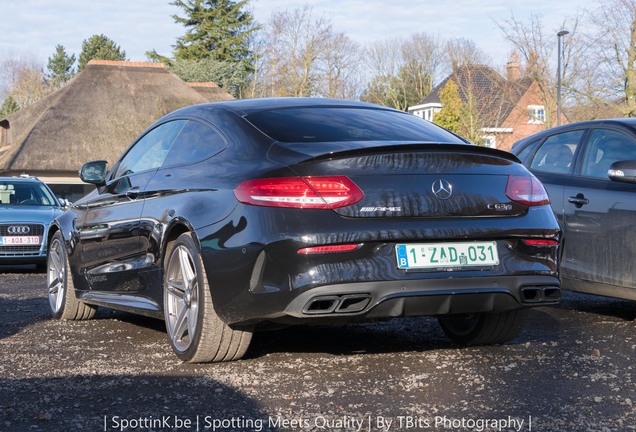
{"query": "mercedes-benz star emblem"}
{"type": "Point", "coordinates": [442, 189]}
{"type": "Point", "coordinates": [18, 230]}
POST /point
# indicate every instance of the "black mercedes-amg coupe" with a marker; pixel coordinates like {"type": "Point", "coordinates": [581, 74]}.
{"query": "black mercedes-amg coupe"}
{"type": "Point", "coordinates": [230, 217]}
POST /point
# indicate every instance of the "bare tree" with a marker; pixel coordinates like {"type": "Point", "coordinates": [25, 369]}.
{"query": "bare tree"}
{"type": "Point", "coordinates": [341, 68]}
{"type": "Point", "coordinates": [425, 62]}
{"type": "Point", "coordinates": [615, 56]}
{"type": "Point", "coordinates": [23, 79]}
{"type": "Point", "coordinates": [384, 60]}
{"type": "Point", "coordinates": [404, 70]}
{"type": "Point", "coordinates": [301, 55]}
{"type": "Point", "coordinates": [537, 48]}
{"type": "Point", "coordinates": [461, 52]}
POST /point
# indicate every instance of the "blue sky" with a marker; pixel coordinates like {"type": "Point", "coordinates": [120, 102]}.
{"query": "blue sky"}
{"type": "Point", "coordinates": [32, 28]}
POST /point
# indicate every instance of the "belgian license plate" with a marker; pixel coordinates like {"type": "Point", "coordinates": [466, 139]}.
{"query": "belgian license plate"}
{"type": "Point", "coordinates": [443, 255]}
{"type": "Point", "coordinates": [19, 240]}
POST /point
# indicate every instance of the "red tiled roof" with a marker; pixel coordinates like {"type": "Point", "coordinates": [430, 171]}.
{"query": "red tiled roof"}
{"type": "Point", "coordinates": [126, 63]}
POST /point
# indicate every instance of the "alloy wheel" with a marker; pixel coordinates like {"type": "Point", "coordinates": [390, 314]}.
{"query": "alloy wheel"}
{"type": "Point", "coordinates": [56, 275]}
{"type": "Point", "coordinates": [182, 300]}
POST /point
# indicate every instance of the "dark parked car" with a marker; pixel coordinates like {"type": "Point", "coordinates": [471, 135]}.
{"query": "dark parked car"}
{"type": "Point", "coordinates": [230, 217]}
{"type": "Point", "coordinates": [27, 207]}
{"type": "Point", "coordinates": [589, 170]}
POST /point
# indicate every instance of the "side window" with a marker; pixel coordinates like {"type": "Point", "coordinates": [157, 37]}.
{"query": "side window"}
{"type": "Point", "coordinates": [151, 150]}
{"type": "Point", "coordinates": [605, 147]}
{"type": "Point", "coordinates": [195, 143]}
{"type": "Point", "coordinates": [557, 152]}
{"type": "Point", "coordinates": [527, 150]}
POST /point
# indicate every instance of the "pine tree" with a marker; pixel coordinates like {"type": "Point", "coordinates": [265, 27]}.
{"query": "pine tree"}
{"type": "Point", "coordinates": [99, 47]}
{"type": "Point", "coordinates": [216, 29]}
{"type": "Point", "coordinates": [8, 106]}
{"type": "Point", "coordinates": [217, 39]}
{"type": "Point", "coordinates": [60, 67]}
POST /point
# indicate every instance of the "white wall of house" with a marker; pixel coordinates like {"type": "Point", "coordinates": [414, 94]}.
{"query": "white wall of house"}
{"type": "Point", "coordinates": [426, 111]}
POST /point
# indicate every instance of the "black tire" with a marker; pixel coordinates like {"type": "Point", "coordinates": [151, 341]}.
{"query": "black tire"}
{"type": "Point", "coordinates": [195, 332]}
{"type": "Point", "coordinates": [63, 301]}
{"type": "Point", "coordinates": [41, 267]}
{"type": "Point", "coordinates": [483, 328]}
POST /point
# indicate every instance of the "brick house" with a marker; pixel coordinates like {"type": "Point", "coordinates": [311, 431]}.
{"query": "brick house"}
{"type": "Point", "coordinates": [509, 108]}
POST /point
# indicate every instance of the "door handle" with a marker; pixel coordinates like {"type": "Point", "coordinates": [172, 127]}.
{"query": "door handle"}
{"type": "Point", "coordinates": [579, 200]}
{"type": "Point", "coordinates": [133, 193]}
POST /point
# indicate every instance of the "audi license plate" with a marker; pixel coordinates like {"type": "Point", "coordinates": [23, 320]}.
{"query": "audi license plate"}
{"type": "Point", "coordinates": [19, 240]}
{"type": "Point", "coordinates": [443, 255]}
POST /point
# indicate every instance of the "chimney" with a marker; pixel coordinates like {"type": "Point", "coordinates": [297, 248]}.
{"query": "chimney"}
{"type": "Point", "coordinates": [513, 71]}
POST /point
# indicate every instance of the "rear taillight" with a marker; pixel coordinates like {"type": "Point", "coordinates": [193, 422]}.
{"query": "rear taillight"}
{"type": "Point", "coordinates": [328, 249]}
{"type": "Point", "coordinates": [527, 190]}
{"type": "Point", "coordinates": [325, 192]}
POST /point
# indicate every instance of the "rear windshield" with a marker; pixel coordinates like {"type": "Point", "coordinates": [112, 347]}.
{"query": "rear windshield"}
{"type": "Point", "coordinates": [326, 124]}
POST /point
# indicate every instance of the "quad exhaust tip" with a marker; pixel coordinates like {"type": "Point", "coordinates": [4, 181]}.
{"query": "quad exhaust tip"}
{"type": "Point", "coordinates": [540, 294]}
{"type": "Point", "coordinates": [343, 304]}
{"type": "Point", "coordinates": [352, 303]}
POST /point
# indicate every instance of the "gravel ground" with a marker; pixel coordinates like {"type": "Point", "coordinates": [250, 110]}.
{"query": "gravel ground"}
{"type": "Point", "coordinates": [573, 369]}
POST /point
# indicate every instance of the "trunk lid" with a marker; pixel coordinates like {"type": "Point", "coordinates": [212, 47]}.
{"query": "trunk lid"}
{"type": "Point", "coordinates": [426, 181]}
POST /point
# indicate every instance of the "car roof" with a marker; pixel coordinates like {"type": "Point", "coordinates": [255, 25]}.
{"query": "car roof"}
{"type": "Point", "coordinates": [245, 107]}
{"type": "Point", "coordinates": [611, 121]}
{"type": "Point", "coordinates": [628, 123]}
{"type": "Point", "coordinates": [28, 179]}
{"type": "Point", "coordinates": [260, 104]}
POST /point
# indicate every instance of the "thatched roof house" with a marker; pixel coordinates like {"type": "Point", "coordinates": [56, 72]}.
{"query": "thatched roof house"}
{"type": "Point", "coordinates": [211, 91]}
{"type": "Point", "coordinates": [96, 115]}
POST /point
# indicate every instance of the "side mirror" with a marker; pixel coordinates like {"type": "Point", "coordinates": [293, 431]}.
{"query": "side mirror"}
{"type": "Point", "coordinates": [623, 171]}
{"type": "Point", "coordinates": [94, 172]}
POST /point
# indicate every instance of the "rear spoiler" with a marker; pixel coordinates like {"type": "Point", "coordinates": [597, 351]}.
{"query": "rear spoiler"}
{"type": "Point", "coordinates": [293, 153]}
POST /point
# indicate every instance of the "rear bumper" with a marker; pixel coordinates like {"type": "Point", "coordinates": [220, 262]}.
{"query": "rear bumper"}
{"type": "Point", "coordinates": [258, 275]}
{"type": "Point", "coordinates": [382, 300]}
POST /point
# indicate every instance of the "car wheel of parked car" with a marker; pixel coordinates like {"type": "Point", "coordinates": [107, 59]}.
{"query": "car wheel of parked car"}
{"type": "Point", "coordinates": [62, 299]}
{"type": "Point", "coordinates": [195, 331]}
{"type": "Point", "coordinates": [483, 328]}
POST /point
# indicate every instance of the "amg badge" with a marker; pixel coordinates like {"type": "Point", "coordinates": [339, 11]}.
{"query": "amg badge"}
{"type": "Point", "coordinates": [380, 209]}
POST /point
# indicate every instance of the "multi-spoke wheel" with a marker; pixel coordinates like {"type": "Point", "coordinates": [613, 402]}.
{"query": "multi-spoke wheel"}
{"type": "Point", "coordinates": [195, 331]}
{"type": "Point", "coordinates": [62, 299]}
{"type": "Point", "coordinates": [483, 328]}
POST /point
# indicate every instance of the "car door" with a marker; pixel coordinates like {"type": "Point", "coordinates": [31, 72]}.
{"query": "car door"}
{"type": "Point", "coordinates": [600, 218]}
{"type": "Point", "coordinates": [181, 186]}
{"type": "Point", "coordinates": [108, 228]}
{"type": "Point", "coordinates": [553, 164]}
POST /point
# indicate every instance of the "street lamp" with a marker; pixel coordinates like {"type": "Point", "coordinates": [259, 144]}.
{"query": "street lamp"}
{"type": "Point", "coordinates": [560, 53]}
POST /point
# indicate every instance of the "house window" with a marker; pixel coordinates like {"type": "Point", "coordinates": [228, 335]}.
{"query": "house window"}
{"type": "Point", "coordinates": [489, 141]}
{"type": "Point", "coordinates": [536, 114]}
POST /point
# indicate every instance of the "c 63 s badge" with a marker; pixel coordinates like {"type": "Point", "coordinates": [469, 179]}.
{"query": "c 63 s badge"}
{"type": "Point", "coordinates": [500, 207]}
